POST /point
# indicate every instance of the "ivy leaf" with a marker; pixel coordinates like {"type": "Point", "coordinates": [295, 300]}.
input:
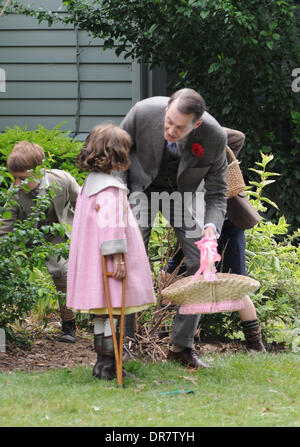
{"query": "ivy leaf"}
{"type": "Point", "coordinates": [214, 67]}
{"type": "Point", "coordinates": [204, 14]}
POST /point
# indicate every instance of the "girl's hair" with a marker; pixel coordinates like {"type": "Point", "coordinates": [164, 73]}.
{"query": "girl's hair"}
{"type": "Point", "coordinates": [25, 156]}
{"type": "Point", "coordinates": [106, 149]}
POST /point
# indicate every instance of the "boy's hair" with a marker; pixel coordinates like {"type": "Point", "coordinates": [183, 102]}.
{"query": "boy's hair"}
{"type": "Point", "coordinates": [25, 156]}
{"type": "Point", "coordinates": [106, 149]}
{"type": "Point", "coordinates": [189, 102]}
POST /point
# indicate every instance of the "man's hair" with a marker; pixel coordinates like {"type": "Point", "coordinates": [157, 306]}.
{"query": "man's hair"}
{"type": "Point", "coordinates": [189, 102]}
{"type": "Point", "coordinates": [106, 149]}
{"type": "Point", "coordinates": [25, 156]}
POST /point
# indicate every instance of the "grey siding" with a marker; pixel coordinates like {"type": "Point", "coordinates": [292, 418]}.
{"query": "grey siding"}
{"type": "Point", "coordinates": [59, 74]}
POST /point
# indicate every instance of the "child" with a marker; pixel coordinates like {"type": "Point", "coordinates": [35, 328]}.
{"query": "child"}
{"type": "Point", "coordinates": [104, 226]}
{"type": "Point", "coordinates": [24, 157]}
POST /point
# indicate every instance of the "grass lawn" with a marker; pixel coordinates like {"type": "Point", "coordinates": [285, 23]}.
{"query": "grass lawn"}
{"type": "Point", "coordinates": [240, 390]}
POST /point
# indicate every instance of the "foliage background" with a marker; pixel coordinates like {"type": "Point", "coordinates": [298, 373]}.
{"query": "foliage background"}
{"type": "Point", "coordinates": [272, 257]}
{"type": "Point", "coordinates": [239, 55]}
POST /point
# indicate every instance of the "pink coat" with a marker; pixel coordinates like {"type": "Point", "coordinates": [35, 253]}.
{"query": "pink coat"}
{"type": "Point", "coordinates": [104, 224]}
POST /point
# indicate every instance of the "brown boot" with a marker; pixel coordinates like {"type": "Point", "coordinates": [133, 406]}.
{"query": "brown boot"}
{"type": "Point", "coordinates": [98, 348]}
{"type": "Point", "coordinates": [68, 334]}
{"type": "Point", "coordinates": [253, 337]}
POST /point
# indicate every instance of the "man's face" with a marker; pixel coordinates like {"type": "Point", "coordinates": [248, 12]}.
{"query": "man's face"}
{"type": "Point", "coordinates": [19, 177]}
{"type": "Point", "coordinates": [178, 125]}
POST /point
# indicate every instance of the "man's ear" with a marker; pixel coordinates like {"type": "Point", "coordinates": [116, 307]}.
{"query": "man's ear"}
{"type": "Point", "coordinates": [198, 123]}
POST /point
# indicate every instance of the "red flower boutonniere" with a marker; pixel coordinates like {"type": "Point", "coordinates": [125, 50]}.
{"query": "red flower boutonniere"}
{"type": "Point", "coordinates": [197, 149]}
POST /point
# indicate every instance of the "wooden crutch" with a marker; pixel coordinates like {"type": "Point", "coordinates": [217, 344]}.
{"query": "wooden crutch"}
{"type": "Point", "coordinates": [118, 350]}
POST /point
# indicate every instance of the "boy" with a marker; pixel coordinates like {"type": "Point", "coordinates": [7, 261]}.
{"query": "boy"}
{"type": "Point", "coordinates": [24, 157]}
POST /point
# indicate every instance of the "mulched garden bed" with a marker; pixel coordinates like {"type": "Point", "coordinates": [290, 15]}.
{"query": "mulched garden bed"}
{"type": "Point", "coordinates": [47, 353]}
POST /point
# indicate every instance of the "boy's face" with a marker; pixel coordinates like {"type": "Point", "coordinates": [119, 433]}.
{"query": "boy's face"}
{"type": "Point", "coordinates": [21, 176]}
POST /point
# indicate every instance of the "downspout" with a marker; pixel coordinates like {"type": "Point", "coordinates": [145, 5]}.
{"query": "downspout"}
{"type": "Point", "coordinates": [78, 98]}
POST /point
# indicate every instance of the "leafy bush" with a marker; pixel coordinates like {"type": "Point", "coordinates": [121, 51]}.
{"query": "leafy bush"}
{"type": "Point", "coordinates": [272, 254]}
{"type": "Point", "coordinates": [161, 244]}
{"type": "Point", "coordinates": [273, 259]}
{"type": "Point", "coordinates": [243, 50]}
{"type": "Point", "coordinates": [23, 252]}
{"type": "Point", "coordinates": [60, 150]}
{"type": "Point", "coordinates": [27, 282]}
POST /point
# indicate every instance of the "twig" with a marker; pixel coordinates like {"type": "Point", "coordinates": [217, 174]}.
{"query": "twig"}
{"type": "Point", "coordinates": [4, 7]}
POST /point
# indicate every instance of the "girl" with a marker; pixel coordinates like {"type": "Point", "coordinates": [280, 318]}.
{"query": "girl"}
{"type": "Point", "coordinates": [104, 225]}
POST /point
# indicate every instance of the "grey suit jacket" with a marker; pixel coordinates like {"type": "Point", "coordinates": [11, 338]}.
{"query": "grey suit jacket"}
{"type": "Point", "coordinates": [65, 196]}
{"type": "Point", "coordinates": [145, 124]}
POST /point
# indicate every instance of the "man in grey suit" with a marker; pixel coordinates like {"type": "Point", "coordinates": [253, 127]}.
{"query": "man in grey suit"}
{"type": "Point", "coordinates": [177, 144]}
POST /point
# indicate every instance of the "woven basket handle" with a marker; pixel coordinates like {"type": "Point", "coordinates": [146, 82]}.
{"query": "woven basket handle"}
{"type": "Point", "coordinates": [230, 153]}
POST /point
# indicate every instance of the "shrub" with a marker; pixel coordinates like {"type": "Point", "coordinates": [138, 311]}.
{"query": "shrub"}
{"type": "Point", "coordinates": [245, 51]}
{"type": "Point", "coordinates": [273, 259]}
{"type": "Point", "coordinates": [60, 150]}
{"type": "Point", "coordinates": [272, 254]}
{"type": "Point", "coordinates": [23, 252]}
{"type": "Point", "coordinates": [25, 282]}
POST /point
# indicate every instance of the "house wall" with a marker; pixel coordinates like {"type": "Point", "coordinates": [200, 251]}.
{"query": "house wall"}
{"type": "Point", "coordinates": [55, 74]}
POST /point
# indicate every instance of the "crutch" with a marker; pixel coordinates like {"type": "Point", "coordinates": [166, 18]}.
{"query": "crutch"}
{"type": "Point", "coordinates": [118, 350]}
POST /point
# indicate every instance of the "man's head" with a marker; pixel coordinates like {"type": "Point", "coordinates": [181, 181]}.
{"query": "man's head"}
{"type": "Point", "coordinates": [183, 114]}
{"type": "Point", "coordinates": [24, 157]}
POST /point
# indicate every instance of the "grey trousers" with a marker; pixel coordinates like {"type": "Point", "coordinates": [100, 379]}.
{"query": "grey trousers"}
{"type": "Point", "coordinates": [184, 326]}
{"type": "Point", "coordinates": [58, 271]}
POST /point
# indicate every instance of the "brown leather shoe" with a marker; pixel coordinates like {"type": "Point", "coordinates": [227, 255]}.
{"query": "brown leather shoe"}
{"type": "Point", "coordinates": [187, 357]}
{"type": "Point", "coordinates": [68, 334]}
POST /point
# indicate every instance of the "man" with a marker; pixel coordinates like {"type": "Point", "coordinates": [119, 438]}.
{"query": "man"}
{"type": "Point", "coordinates": [232, 245]}
{"type": "Point", "coordinates": [24, 157]}
{"type": "Point", "coordinates": [154, 125]}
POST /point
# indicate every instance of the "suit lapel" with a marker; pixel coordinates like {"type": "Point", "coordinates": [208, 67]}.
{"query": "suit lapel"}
{"type": "Point", "coordinates": [186, 158]}
{"type": "Point", "coordinates": [157, 139]}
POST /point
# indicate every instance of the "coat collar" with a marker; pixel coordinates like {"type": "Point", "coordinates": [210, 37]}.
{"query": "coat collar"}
{"type": "Point", "coordinates": [97, 181]}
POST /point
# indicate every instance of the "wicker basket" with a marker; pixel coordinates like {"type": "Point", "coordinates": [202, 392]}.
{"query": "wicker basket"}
{"type": "Point", "coordinates": [234, 178]}
{"type": "Point", "coordinates": [202, 296]}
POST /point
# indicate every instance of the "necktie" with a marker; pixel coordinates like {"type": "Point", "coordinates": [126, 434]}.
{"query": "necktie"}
{"type": "Point", "coordinates": [173, 149]}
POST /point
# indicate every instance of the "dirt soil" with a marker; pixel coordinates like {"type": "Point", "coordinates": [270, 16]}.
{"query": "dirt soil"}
{"type": "Point", "coordinates": [47, 353]}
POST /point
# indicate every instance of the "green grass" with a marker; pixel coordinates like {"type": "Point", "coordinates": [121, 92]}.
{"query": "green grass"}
{"type": "Point", "coordinates": [239, 391]}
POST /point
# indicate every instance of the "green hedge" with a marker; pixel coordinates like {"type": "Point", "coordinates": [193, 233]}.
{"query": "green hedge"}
{"type": "Point", "coordinates": [60, 150]}
{"type": "Point", "coordinates": [238, 54]}
{"type": "Point", "coordinates": [273, 257]}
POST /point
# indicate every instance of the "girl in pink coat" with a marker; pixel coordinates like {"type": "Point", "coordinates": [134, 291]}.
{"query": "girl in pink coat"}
{"type": "Point", "coordinates": [104, 225]}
